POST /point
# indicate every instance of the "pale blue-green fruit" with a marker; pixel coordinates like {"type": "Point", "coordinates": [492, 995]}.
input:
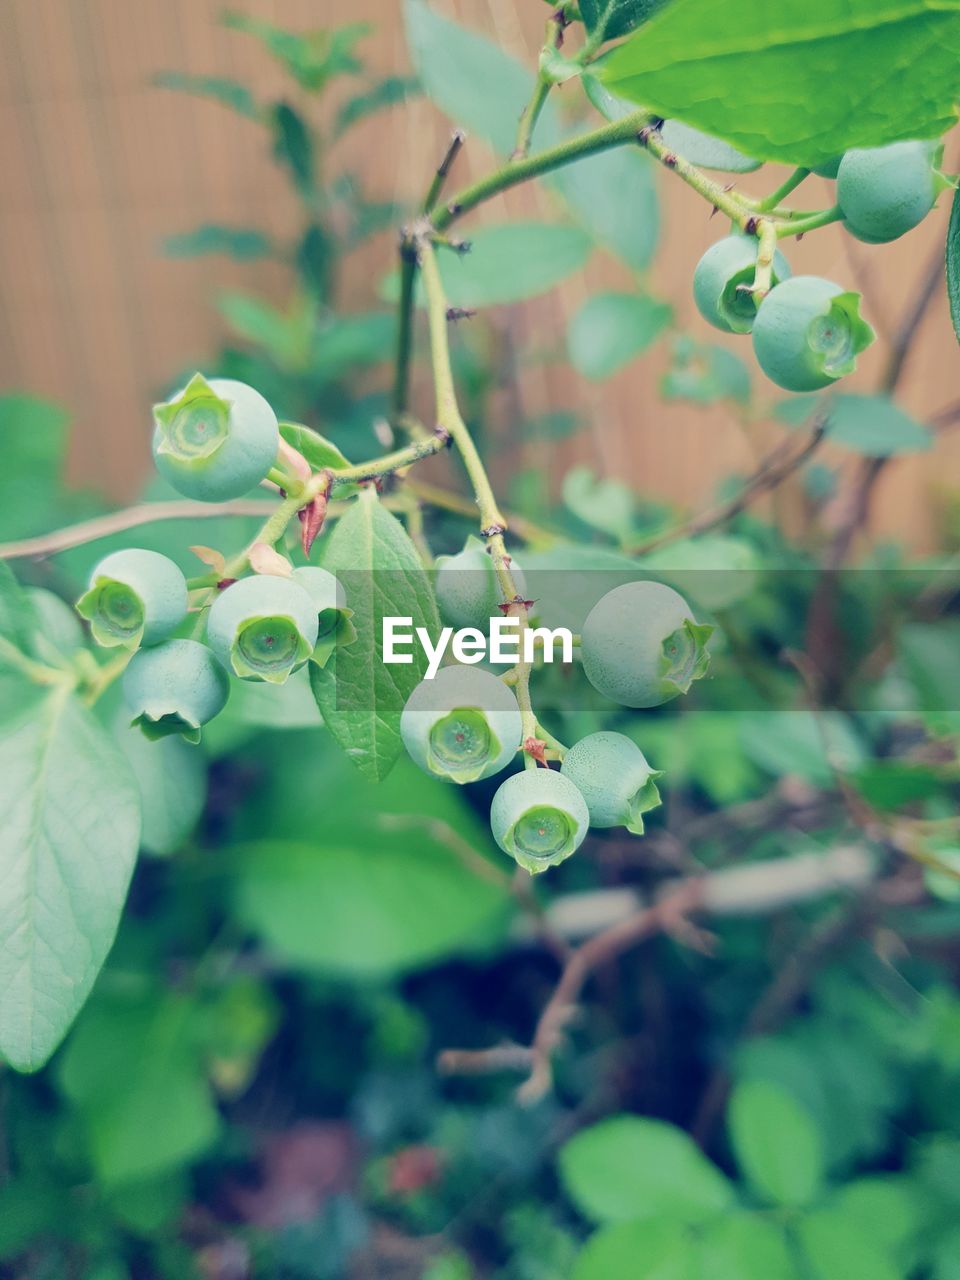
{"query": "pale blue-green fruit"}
{"type": "Point", "coordinates": [613, 776]}
{"type": "Point", "coordinates": [215, 439]}
{"type": "Point", "coordinates": [462, 725]}
{"type": "Point", "coordinates": [468, 594]}
{"type": "Point", "coordinates": [326, 593]}
{"type": "Point", "coordinates": [539, 818]}
{"type": "Point", "coordinates": [722, 279]}
{"type": "Point", "coordinates": [884, 192]}
{"type": "Point", "coordinates": [263, 627]}
{"type": "Point", "coordinates": [59, 633]}
{"type": "Point", "coordinates": [175, 688]}
{"type": "Point", "coordinates": [135, 597]}
{"type": "Point", "coordinates": [808, 333]}
{"type": "Point", "coordinates": [642, 646]}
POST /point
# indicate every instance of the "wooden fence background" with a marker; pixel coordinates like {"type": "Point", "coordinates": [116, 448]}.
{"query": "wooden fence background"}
{"type": "Point", "coordinates": [100, 165]}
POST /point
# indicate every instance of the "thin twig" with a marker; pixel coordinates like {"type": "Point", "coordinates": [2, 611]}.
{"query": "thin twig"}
{"type": "Point", "coordinates": [76, 535]}
{"type": "Point", "coordinates": [776, 467]}
{"type": "Point", "coordinates": [457, 139]}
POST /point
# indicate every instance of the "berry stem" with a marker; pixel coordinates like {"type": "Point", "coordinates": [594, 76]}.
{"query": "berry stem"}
{"type": "Point", "coordinates": [449, 419]}
{"type": "Point", "coordinates": [772, 202]}
{"type": "Point", "coordinates": [766, 251]}
{"type": "Point", "coordinates": [541, 90]}
{"type": "Point", "coordinates": [800, 226]}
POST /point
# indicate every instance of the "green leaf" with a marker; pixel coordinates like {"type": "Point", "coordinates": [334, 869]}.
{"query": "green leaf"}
{"type": "Point", "coordinates": [704, 374]}
{"type": "Point", "coordinates": [836, 1244]}
{"type": "Point", "coordinates": [68, 842]}
{"type": "Point", "coordinates": [648, 1250]}
{"type": "Point", "coordinates": [744, 1246]}
{"type": "Point", "coordinates": [785, 743]}
{"type": "Point", "coordinates": [801, 81]}
{"type": "Point", "coordinates": [890, 1209]}
{"type": "Point", "coordinates": [605, 505]}
{"type": "Point", "coordinates": [293, 144]}
{"type": "Point", "coordinates": [243, 243]}
{"type": "Point", "coordinates": [472, 80]}
{"type": "Point", "coordinates": [713, 571]}
{"type": "Point", "coordinates": [134, 1074]}
{"type": "Point", "coordinates": [384, 93]}
{"type": "Point", "coordinates": [628, 1167]}
{"type": "Point", "coordinates": [615, 18]}
{"type": "Point", "coordinates": [953, 263]}
{"type": "Point", "coordinates": [776, 1143]}
{"type": "Point", "coordinates": [172, 777]}
{"type": "Point", "coordinates": [512, 262]}
{"type": "Point", "coordinates": [230, 93]}
{"type": "Point", "coordinates": [611, 329]}
{"type": "Point", "coordinates": [287, 336]}
{"type": "Point", "coordinates": [875, 426]}
{"type": "Point", "coordinates": [33, 441]}
{"type": "Point", "coordinates": [18, 621]}
{"type": "Point", "coordinates": [371, 909]}
{"type": "Point", "coordinates": [312, 58]}
{"type": "Point", "coordinates": [613, 196]}
{"type": "Point", "coordinates": [359, 696]}
{"type": "Point", "coordinates": [317, 449]}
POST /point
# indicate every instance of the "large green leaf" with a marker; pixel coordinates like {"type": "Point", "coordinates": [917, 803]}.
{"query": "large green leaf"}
{"type": "Point", "coordinates": [953, 263]}
{"type": "Point", "coordinates": [611, 329]}
{"type": "Point", "coordinates": [370, 909]}
{"type": "Point", "coordinates": [68, 841]}
{"type": "Point", "coordinates": [745, 1246]}
{"type": "Point", "coordinates": [647, 1250]}
{"type": "Point", "coordinates": [776, 1143]}
{"type": "Point", "coordinates": [801, 80]}
{"type": "Point", "coordinates": [360, 697]}
{"type": "Point", "coordinates": [836, 1244]}
{"type": "Point", "coordinates": [628, 1167]}
{"type": "Point", "coordinates": [133, 1073]}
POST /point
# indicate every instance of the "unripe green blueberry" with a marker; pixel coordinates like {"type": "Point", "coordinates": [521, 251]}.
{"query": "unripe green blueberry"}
{"type": "Point", "coordinates": [884, 192]}
{"type": "Point", "coordinates": [58, 629]}
{"type": "Point", "coordinates": [263, 627]}
{"type": "Point", "coordinates": [722, 279]}
{"type": "Point", "coordinates": [468, 594]}
{"type": "Point", "coordinates": [829, 168]}
{"type": "Point", "coordinates": [642, 646]}
{"type": "Point", "coordinates": [215, 440]}
{"type": "Point", "coordinates": [613, 776]}
{"type": "Point", "coordinates": [135, 597]}
{"type": "Point", "coordinates": [325, 592]}
{"type": "Point", "coordinates": [462, 725]}
{"type": "Point", "coordinates": [175, 688]}
{"type": "Point", "coordinates": [539, 818]}
{"type": "Point", "coordinates": [808, 333]}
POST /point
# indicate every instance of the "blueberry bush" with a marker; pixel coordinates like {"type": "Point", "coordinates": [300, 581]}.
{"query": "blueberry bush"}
{"type": "Point", "coordinates": [634, 958]}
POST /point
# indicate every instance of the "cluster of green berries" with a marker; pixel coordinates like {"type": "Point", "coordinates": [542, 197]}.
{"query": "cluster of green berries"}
{"type": "Point", "coordinates": [213, 441]}
{"type": "Point", "coordinates": [808, 331]}
{"type": "Point", "coordinates": [641, 646]}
